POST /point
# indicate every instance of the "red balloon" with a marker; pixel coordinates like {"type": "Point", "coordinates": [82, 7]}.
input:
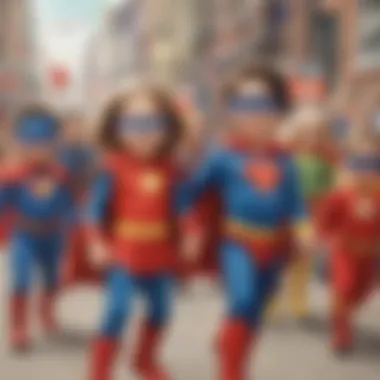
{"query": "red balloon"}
{"type": "Point", "coordinates": [59, 77]}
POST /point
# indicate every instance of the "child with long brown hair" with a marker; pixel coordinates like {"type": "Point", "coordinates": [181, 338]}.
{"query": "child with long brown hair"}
{"type": "Point", "coordinates": [132, 224]}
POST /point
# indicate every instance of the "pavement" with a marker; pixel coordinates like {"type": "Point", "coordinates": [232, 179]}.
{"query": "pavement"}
{"type": "Point", "coordinates": [287, 351]}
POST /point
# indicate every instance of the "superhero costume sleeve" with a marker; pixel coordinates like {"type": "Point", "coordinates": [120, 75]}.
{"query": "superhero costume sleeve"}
{"type": "Point", "coordinates": [331, 214]}
{"type": "Point", "coordinates": [69, 206]}
{"type": "Point", "coordinates": [198, 206]}
{"type": "Point", "coordinates": [208, 174]}
{"type": "Point", "coordinates": [9, 190]}
{"type": "Point", "coordinates": [97, 205]}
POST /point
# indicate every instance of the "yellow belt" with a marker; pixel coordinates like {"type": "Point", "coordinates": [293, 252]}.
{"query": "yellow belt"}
{"type": "Point", "coordinates": [249, 232]}
{"type": "Point", "coordinates": [146, 231]}
{"type": "Point", "coordinates": [360, 247]}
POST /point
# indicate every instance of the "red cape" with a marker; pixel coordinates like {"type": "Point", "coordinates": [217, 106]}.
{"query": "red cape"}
{"type": "Point", "coordinates": [76, 267]}
{"type": "Point", "coordinates": [209, 215]}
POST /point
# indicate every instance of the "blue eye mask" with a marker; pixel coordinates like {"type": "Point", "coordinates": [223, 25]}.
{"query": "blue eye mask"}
{"type": "Point", "coordinates": [364, 163]}
{"type": "Point", "coordinates": [37, 130]}
{"type": "Point", "coordinates": [142, 123]}
{"type": "Point", "coordinates": [252, 104]}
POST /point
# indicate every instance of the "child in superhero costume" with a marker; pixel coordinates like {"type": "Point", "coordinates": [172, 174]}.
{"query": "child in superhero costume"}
{"type": "Point", "coordinates": [261, 204]}
{"type": "Point", "coordinates": [349, 222]}
{"type": "Point", "coordinates": [132, 226]}
{"type": "Point", "coordinates": [315, 162]}
{"type": "Point", "coordinates": [39, 198]}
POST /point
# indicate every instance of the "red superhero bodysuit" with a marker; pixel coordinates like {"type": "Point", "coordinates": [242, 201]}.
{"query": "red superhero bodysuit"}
{"type": "Point", "coordinates": [132, 211]}
{"type": "Point", "coordinates": [351, 221]}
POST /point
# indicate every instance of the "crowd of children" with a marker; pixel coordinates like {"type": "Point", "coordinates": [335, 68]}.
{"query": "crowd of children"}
{"type": "Point", "coordinates": [151, 201]}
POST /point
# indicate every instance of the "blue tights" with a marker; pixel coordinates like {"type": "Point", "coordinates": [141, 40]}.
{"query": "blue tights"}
{"type": "Point", "coordinates": [121, 287]}
{"type": "Point", "coordinates": [28, 254]}
{"type": "Point", "coordinates": [248, 287]}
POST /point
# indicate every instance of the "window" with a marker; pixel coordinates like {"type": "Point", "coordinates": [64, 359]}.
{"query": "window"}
{"type": "Point", "coordinates": [324, 42]}
{"type": "Point", "coordinates": [368, 44]}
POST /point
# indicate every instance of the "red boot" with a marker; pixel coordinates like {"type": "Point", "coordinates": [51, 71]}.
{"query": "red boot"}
{"type": "Point", "coordinates": [342, 337]}
{"type": "Point", "coordinates": [48, 321]}
{"type": "Point", "coordinates": [19, 339]}
{"type": "Point", "coordinates": [103, 355]}
{"type": "Point", "coordinates": [145, 362]}
{"type": "Point", "coordinates": [234, 349]}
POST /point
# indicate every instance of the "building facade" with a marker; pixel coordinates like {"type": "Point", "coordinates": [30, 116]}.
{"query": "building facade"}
{"type": "Point", "coordinates": [344, 35]}
{"type": "Point", "coordinates": [16, 77]}
{"type": "Point", "coordinates": [114, 53]}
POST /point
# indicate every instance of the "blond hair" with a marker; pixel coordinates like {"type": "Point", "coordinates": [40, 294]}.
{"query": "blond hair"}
{"type": "Point", "coordinates": [306, 118]}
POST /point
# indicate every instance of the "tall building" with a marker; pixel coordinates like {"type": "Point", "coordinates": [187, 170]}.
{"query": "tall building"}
{"type": "Point", "coordinates": [171, 27]}
{"type": "Point", "coordinates": [343, 36]}
{"type": "Point", "coordinates": [348, 30]}
{"type": "Point", "coordinates": [15, 49]}
{"type": "Point", "coordinates": [114, 53]}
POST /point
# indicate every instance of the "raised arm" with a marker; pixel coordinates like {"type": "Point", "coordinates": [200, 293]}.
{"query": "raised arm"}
{"type": "Point", "coordinates": [207, 174]}
{"type": "Point", "coordinates": [9, 190]}
{"type": "Point", "coordinates": [331, 214]}
{"type": "Point", "coordinates": [98, 203]}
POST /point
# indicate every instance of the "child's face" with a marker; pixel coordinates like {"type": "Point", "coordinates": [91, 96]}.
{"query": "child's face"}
{"type": "Point", "coordinates": [253, 113]}
{"type": "Point", "coordinates": [38, 153]}
{"type": "Point", "coordinates": [142, 126]}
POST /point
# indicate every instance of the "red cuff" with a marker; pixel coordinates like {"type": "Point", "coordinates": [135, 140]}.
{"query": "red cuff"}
{"type": "Point", "coordinates": [191, 224]}
{"type": "Point", "coordinates": [94, 233]}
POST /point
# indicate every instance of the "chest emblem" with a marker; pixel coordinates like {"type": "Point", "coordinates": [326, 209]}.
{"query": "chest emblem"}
{"type": "Point", "coordinates": [151, 182]}
{"type": "Point", "coordinates": [43, 187]}
{"type": "Point", "coordinates": [364, 209]}
{"type": "Point", "coordinates": [265, 175]}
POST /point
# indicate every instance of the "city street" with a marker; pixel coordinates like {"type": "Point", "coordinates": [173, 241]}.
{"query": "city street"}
{"type": "Point", "coordinates": [287, 350]}
{"type": "Point", "coordinates": [156, 84]}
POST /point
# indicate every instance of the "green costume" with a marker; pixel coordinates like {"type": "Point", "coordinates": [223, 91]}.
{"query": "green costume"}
{"type": "Point", "coordinates": [316, 174]}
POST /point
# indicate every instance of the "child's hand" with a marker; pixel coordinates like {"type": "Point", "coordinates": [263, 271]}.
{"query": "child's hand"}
{"type": "Point", "coordinates": [305, 239]}
{"type": "Point", "coordinates": [98, 255]}
{"type": "Point", "coordinates": [191, 246]}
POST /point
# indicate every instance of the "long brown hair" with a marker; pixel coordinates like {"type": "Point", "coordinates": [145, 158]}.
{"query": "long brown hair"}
{"type": "Point", "coordinates": [108, 136]}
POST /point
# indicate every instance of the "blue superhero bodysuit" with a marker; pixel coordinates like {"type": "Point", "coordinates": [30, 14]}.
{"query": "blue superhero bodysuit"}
{"type": "Point", "coordinates": [41, 204]}
{"type": "Point", "coordinates": [260, 197]}
{"type": "Point", "coordinates": [38, 197]}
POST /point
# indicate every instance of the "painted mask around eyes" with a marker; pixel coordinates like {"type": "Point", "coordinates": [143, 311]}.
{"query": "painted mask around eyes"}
{"type": "Point", "coordinates": [142, 123]}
